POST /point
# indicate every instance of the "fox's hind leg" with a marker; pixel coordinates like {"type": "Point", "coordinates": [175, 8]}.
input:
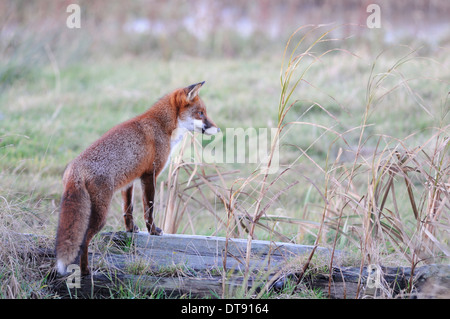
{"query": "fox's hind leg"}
{"type": "Point", "coordinates": [148, 196]}
{"type": "Point", "coordinates": [99, 210]}
{"type": "Point", "coordinates": [127, 197]}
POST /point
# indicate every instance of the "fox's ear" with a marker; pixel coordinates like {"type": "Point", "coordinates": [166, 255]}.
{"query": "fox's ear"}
{"type": "Point", "coordinates": [192, 90]}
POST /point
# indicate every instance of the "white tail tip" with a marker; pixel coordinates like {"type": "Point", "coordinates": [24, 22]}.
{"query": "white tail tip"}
{"type": "Point", "coordinates": [61, 267]}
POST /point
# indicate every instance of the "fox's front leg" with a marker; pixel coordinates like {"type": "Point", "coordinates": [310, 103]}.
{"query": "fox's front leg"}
{"type": "Point", "coordinates": [127, 197]}
{"type": "Point", "coordinates": [148, 195]}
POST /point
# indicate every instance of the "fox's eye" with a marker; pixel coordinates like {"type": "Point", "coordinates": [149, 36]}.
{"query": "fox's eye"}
{"type": "Point", "coordinates": [200, 113]}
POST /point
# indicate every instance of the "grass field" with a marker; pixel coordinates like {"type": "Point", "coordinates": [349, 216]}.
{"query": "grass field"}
{"type": "Point", "coordinates": [366, 145]}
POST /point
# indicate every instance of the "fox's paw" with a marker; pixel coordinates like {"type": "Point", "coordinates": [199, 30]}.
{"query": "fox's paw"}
{"type": "Point", "coordinates": [156, 231]}
{"type": "Point", "coordinates": [133, 229]}
{"type": "Point", "coordinates": [85, 272]}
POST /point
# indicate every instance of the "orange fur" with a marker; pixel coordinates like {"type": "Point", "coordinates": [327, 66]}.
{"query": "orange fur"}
{"type": "Point", "coordinates": [136, 149]}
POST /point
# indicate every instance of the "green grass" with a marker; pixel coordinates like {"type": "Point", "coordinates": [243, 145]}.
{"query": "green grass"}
{"type": "Point", "coordinates": [47, 121]}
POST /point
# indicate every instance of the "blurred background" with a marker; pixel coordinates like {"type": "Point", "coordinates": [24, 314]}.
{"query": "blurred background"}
{"type": "Point", "coordinates": [199, 28]}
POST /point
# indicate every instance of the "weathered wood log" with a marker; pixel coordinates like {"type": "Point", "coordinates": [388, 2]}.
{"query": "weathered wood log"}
{"type": "Point", "coordinates": [208, 252]}
{"type": "Point", "coordinates": [430, 281]}
{"type": "Point", "coordinates": [130, 265]}
{"type": "Point", "coordinates": [171, 256]}
{"type": "Point", "coordinates": [119, 285]}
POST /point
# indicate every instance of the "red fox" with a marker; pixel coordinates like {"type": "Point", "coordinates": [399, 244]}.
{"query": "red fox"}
{"type": "Point", "coordinates": [138, 148]}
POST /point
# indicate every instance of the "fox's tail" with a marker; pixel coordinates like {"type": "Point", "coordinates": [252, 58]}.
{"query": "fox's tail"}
{"type": "Point", "coordinates": [73, 224]}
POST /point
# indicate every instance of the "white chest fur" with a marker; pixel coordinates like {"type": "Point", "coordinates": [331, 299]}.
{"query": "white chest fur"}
{"type": "Point", "coordinates": [176, 137]}
{"type": "Point", "coordinates": [183, 127]}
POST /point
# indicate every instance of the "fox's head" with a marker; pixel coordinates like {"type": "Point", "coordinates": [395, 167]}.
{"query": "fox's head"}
{"type": "Point", "coordinates": [192, 112]}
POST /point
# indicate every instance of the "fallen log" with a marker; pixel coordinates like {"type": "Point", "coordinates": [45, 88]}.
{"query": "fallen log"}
{"type": "Point", "coordinates": [430, 281]}
{"type": "Point", "coordinates": [130, 265]}
{"type": "Point", "coordinates": [119, 285]}
{"type": "Point", "coordinates": [210, 252]}
{"type": "Point", "coordinates": [188, 265]}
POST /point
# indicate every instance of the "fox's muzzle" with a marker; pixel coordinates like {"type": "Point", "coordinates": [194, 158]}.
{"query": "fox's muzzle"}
{"type": "Point", "coordinates": [211, 130]}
